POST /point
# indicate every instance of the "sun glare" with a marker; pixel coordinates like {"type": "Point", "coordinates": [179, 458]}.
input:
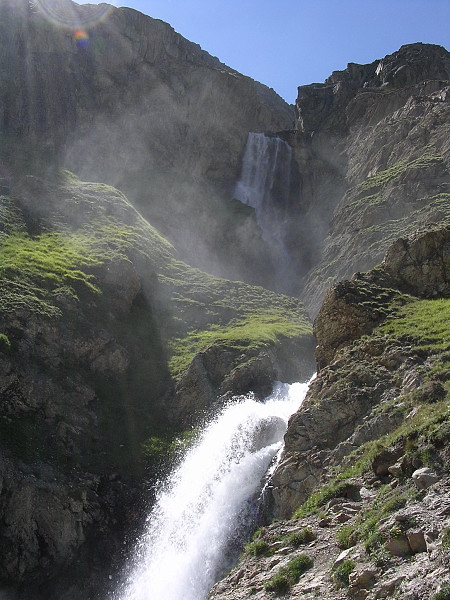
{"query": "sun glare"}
{"type": "Point", "coordinates": [66, 13]}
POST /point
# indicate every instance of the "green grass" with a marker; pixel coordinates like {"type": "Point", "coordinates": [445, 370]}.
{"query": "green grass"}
{"type": "Point", "coordinates": [346, 537]}
{"type": "Point", "coordinates": [424, 322]}
{"type": "Point", "coordinates": [259, 547]}
{"type": "Point", "coordinates": [254, 331]}
{"type": "Point", "coordinates": [397, 170]}
{"type": "Point", "coordinates": [301, 537]}
{"type": "Point", "coordinates": [341, 573]}
{"type": "Point", "coordinates": [289, 575]}
{"type": "Point", "coordinates": [443, 594]}
{"type": "Point", "coordinates": [5, 344]}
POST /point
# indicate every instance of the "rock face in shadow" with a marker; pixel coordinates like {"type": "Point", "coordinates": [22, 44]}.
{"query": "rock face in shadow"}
{"type": "Point", "coordinates": [143, 109]}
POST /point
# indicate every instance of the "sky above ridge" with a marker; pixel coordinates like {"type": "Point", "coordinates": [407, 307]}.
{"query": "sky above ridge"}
{"type": "Point", "coordinates": [287, 43]}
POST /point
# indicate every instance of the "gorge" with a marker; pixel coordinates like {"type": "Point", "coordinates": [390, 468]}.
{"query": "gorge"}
{"type": "Point", "coordinates": [169, 231]}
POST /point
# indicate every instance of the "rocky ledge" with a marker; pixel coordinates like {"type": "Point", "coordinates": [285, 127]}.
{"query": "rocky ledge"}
{"type": "Point", "coordinates": [363, 485]}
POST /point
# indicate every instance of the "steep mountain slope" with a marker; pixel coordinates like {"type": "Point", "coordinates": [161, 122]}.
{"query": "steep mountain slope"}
{"type": "Point", "coordinates": [138, 107]}
{"type": "Point", "coordinates": [363, 483]}
{"type": "Point", "coordinates": [108, 346]}
{"type": "Point", "coordinates": [372, 148]}
{"type": "Point", "coordinates": [111, 347]}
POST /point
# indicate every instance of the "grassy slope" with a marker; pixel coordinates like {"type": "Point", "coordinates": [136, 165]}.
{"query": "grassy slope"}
{"type": "Point", "coordinates": [37, 270]}
{"type": "Point", "coordinates": [422, 324]}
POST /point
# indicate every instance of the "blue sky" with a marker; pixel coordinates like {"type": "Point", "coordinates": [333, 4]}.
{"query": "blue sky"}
{"type": "Point", "coordinates": [287, 43]}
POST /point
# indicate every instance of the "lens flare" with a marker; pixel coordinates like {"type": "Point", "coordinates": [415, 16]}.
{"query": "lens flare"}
{"type": "Point", "coordinates": [66, 13]}
{"type": "Point", "coordinates": [81, 39]}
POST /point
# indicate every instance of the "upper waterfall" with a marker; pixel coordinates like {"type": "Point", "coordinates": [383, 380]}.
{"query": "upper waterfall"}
{"type": "Point", "coordinates": [265, 183]}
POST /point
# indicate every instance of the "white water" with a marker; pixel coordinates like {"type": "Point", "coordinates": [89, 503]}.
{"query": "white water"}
{"type": "Point", "coordinates": [265, 183]}
{"type": "Point", "coordinates": [209, 498]}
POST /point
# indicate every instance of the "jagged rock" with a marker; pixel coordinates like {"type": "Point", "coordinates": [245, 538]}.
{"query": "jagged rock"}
{"type": "Point", "coordinates": [371, 162]}
{"type": "Point", "coordinates": [386, 459]}
{"type": "Point", "coordinates": [419, 265]}
{"type": "Point", "coordinates": [399, 546]}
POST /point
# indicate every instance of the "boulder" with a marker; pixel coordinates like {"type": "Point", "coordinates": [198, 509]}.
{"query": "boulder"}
{"type": "Point", "coordinates": [424, 478]}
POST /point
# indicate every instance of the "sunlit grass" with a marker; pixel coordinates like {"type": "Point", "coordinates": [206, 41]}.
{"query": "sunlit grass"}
{"type": "Point", "coordinates": [254, 331]}
{"type": "Point", "coordinates": [424, 322]}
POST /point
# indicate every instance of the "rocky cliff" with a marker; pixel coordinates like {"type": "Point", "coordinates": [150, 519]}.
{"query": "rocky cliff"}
{"type": "Point", "coordinates": [364, 477]}
{"type": "Point", "coordinates": [371, 144]}
{"type": "Point", "coordinates": [110, 347]}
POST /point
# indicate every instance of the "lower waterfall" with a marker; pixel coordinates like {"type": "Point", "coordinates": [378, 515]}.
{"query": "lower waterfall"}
{"type": "Point", "coordinates": [194, 532]}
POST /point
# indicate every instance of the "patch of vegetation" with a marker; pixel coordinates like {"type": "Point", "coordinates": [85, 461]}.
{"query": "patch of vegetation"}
{"type": "Point", "coordinates": [424, 323]}
{"type": "Point", "coordinates": [446, 539]}
{"type": "Point", "coordinates": [289, 575]}
{"type": "Point", "coordinates": [395, 171]}
{"type": "Point", "coordinates": [443, 594]}
{"type": "Point", "coordinates": [335, 488]}
{"type": "Point", "coordinates": [341, 573]}
{"type": "Point", "coordinates": [158, 450]}
{"type": "Point", "coordinates": [346, 537]}
{"type": "Point", "coordinates": [301, 537]}
{"type": "Point", "coordinates": [259, 547]}
{"type": "Point", "coordinates": [5, 344]}
{"type": "Point", "coordinates": [254, 331]}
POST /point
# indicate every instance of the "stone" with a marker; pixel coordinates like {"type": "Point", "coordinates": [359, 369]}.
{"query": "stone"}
{"type": "Point", "coordinates": [385, 459]}
{"type": "Point", "coordinates": [416, 540]}
{"type": "Point", "coordinates": [396, 470]}
{"type": "Point", "coordinates": [361, 578]}
{"type": "Point", "coordinates": [425, 477]}
{"type": "Point", "coordinates": [343, 556]}
{"type": "Point", "coordinates": [399, 546]}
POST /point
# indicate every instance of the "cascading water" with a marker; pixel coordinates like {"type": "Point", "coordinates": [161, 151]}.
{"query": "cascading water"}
{"type": "Point", "coordinates": [265, 184]}
{"type": "Point", "coordinates": [209, 499]}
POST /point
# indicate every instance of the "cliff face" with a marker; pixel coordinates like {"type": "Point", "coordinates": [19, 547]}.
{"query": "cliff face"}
{"type": "Point", "coordinates": [363, 482]}
{"type": "Point", "coordinates": [138, 107]}
{"type": "Point", "coordinates": [373, 156]}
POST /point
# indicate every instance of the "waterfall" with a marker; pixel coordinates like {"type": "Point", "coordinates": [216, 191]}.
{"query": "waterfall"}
{"type": "Point", "coordinates": [191, 537]}
{"type": "Point", "coordinates": [265, 184]}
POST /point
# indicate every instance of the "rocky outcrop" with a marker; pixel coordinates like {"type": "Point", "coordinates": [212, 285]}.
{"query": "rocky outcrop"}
{"type": "Point", "coordinates": [375, 138]}
{"type": "Point", "coordinates": [418, 265]}
{"type": "Point", "coordinates": [219, 372]}
{"type": "Point", "coordinates": [362, 484]}
{"type": "Point", "coordinates": [340, 412]}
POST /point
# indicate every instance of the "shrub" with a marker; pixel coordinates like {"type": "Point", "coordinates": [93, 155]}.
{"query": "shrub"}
{"type": "Point", "coordinates": [341, 573]}
{"type": "Point", "coordinates": [289, 575]}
